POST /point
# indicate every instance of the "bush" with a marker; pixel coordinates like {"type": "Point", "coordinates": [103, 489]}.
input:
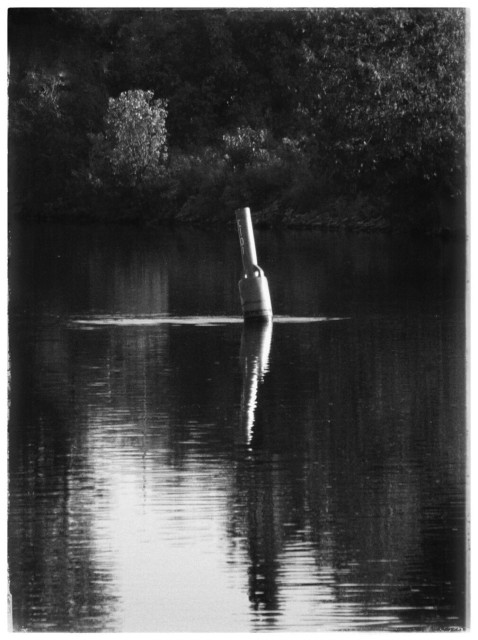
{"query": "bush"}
{"type": "Point", "coordinates": [132, 150]}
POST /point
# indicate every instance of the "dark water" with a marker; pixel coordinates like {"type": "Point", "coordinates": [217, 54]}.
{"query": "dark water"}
{"type": "Point", "coordinates": [170, 471]}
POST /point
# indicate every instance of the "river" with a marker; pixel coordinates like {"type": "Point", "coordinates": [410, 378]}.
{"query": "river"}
{"type": "Point", "coordinates": [173, 470]}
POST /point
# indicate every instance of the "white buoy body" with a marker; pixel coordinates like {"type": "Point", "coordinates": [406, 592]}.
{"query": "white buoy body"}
{"type": "Point", "coordinates": [253, 287]}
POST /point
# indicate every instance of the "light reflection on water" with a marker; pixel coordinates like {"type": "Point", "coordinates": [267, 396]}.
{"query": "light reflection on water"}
{"type": "Point", "coordinates": [198, 321]}
{"type": "Point", "coordinates": [255, 349]}
{"type": "Point", "coordinates": [200, 476]}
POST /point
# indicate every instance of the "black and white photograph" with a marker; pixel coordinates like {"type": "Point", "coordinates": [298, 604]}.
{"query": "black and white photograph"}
{"type": "Point", "coordinates": [238, 318]}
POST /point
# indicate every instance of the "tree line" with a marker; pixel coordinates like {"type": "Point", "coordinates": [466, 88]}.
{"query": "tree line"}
{"type": "Point", "coordinates": [340, 118]}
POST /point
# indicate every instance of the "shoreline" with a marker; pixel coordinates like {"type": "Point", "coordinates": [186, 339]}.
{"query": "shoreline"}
{"type": "Point", "coordinates": [288, 222]}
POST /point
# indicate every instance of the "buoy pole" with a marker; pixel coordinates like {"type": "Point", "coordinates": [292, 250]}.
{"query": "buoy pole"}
{"type": "Point", "coordinates": [253, 287]}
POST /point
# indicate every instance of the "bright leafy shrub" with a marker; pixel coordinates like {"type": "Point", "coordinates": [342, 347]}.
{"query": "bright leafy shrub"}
{"type": "Point", "coordinates": [132, 150]}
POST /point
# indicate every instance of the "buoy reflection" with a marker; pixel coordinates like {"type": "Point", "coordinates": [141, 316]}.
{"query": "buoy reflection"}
{"type": "Point", "coordinates": [255, 349]}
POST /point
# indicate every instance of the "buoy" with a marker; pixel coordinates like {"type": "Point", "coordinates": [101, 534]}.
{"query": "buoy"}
{"type": "Point", "coordinates": [253, 287]}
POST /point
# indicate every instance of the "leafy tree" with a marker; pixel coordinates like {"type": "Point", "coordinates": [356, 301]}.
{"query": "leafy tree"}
{"type": "Point", "coordinates": [371, 103]}
{"type": "Point", "coordinates": [220, 69]}
{"type": "Point", "coordinates": [132, 150]}
{"type": "Point", "coordinates": [56, 95]}
{"type": "Point", "coordinates": [384, 92]}
{"type": "Point", "coordinates": [245, 145]}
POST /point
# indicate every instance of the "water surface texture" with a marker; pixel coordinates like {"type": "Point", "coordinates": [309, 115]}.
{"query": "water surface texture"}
{"type": "Point", "coordinates": [173, 470]}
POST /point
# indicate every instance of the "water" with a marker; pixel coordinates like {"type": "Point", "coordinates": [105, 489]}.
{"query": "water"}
{"type": "Point", "coordinates": [172, 470]}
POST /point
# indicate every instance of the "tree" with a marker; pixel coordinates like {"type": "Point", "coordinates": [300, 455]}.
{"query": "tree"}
{"type": "Point", "coordinates": [56, 95]}
{"type": "Point", "coordinates": [384, 91]}
{"type": "Point", "coordinates": [132, 150]}
{"type": "Point", "coordinates": [371, 101]}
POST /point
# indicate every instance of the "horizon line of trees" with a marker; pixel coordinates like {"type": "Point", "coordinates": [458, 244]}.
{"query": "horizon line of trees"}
{"type": "Point", "coordinates": [187, 114]}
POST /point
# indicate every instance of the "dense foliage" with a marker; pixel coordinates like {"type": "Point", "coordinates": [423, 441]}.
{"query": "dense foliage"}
{"type": "Point", "coordinates": [132, 149]}
{"type": "Point", "coordinates": [336, 117]}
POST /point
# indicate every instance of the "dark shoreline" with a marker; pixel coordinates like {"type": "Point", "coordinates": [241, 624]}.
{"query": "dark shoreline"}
{"type": "Point", "coordinates": [297, 222]}
{"type": "Point", "coordinates": [454, 223]}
